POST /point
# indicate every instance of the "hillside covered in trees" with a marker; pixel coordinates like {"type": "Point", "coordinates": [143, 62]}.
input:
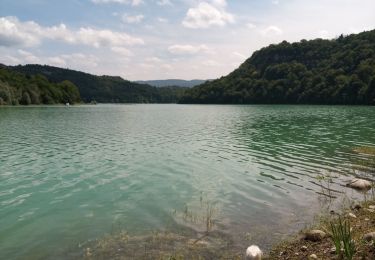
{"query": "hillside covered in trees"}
{"type": "Point", "coordinates": [17, 88]}
{"type": "Point", "coordinates": [105, 89]}
{"type": "Point", "coordinates": [339, 71]}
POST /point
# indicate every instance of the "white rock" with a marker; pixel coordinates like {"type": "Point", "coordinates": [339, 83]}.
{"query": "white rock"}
{"type": "Point", "coordinates": [313, 256]}
{"type": "Point", "coordinates": [304, 248]}
{"type": "Point", "coordinates": [352, 215]}
{"type": "Point", "coordinates": [360, 184]}
{"type": "Point", "coordinates": [253, 253]}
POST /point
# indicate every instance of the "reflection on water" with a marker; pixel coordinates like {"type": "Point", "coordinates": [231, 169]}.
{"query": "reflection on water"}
{"type": "Point", "coordinates": [68, 174]}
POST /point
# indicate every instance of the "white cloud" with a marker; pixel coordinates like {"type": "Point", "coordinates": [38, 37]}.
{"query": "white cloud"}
{"type": "Point", "coordinates": [206, 15]}
{"type": "Point", "coordinates": [187, 49]}
{"type": "Point", "coordinates": [154, 60]}
{"type": "Point", "coordinates": [271, 31]}
{"type": "Point", "coordinates": [211, 63]}
{"type": "Point", "coordinates": [324, 34]}
{"type": "Point", "coordinates": [239, 55]}
{"type": "Point", "coordinates": [12, 34]}
{"type": "Point", "coordinates": [221, 3]}
{"type": "Point", "coordinates": [122, 51]}
{"type": "Point", "coordinates": [28, 57]}
{"type": "Point", "coordinates": [16, 33]}
{"type": "Point", "coordinates": [164, 2]}
{"type": "Point", "coordinates": [251, 26]}
{"type": "Point", "coordinates": [73, 60]}
{"type": "Point", "coordinates": [162, 20]}
{"type": "Point", "coordinates": [131, 2]}
{"type": "Point", "coordinates": [132, 18]}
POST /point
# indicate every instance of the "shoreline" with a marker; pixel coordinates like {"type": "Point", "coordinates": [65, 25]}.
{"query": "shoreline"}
{"type": "Point", "coordinates": [360, 218]}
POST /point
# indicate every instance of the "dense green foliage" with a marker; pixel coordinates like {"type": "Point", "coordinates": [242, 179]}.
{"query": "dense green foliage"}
{"type": "Point", "coordinates": [106, 89]}
{"type": "Point", "coordinates": [173, 82]}
{"type": "Point", "coordinates": [17, 88]}
{"type": "Point", "coordinates": [339, 71]}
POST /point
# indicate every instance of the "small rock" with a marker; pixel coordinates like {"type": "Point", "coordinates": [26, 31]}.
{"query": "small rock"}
{"type": "Point", "coordinates": [369, 237]}
{"type": "Point", "coordinates": [333, 250]}
{"type": "Point", "coordinates": [367, 219]}
{"type": "Point", "coordinates": [359, 184]}
{"type": "Point", "coordinates": [253, 253]}
{"type": "Point", "coordinates": [313, 256]}
{"type": "Point", "coordinates": [370, 210]}
{"type": "Point", "coordinates": [304, 248]}
{"type": "Point", "coordinates": [297, 254]}
{"type": "Point", "coordinates": [371, 207]}
{"type": "Point", "coordinates": [315, 235]}
{"type": "Point", "coordinates": [351, 215]}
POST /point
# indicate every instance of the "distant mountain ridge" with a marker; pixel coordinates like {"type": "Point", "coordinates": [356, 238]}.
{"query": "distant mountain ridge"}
{"type": "Point", "coordinates": [172, 82]}
{"type": "Point", "coordinates": [338, 71]}
{"type": "Point", "coordinates": [104, 89]}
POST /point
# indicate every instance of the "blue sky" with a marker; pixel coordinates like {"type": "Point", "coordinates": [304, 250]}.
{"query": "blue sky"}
{"type": "Point", "coordinates": [160, 39]}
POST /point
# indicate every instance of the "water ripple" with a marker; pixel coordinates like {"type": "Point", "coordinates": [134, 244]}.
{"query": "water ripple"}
{"type": "Point", "coordinates": [68, 174]}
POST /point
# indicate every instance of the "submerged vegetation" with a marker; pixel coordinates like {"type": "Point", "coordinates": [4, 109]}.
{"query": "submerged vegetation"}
{"type": "Point", "coordinates": [17, 88]}
{"type": "Point", "coordinates": [339, 71]}
{"type": "Point", "coordinates": [347, 232]}
{"type": "Point", "coordinates": [196, 239]}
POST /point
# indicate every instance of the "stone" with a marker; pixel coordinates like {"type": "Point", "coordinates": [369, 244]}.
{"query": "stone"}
{"type": "Point", "coordinates": [315, 235]}
{"type": "Point", "coordinates": [371, 207]}
{"type": "Point", "coordinates": [369, 237]}
{"type": "Point", "coordinates": [333, 250]}
{"type": "Point", "coordinates": [304, 248]}
{"type": "Point", "coordinates": [367, 219]}
{"type": "Point", "coordinates": [351, 215]}
{"type": "Point", "coordinates": [253, 253]}
{"type": "Point", "coordinates": [313, 256]}
{"type": "Point", "coordinates": [370, 210]}
{"type": "Point", "coordinates": [359, 184]}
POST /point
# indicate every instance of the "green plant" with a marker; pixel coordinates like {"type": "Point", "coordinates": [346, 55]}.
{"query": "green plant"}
{"type": "Point", "coordinates": [342, 238]}
{"type": "Point", "coordinates": [325, 181]}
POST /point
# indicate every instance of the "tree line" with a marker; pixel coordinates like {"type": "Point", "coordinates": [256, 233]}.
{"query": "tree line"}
{"type": "Point", "coordinates": [338, 71]}
{"type": "Point", "coordinates": [20, 89]}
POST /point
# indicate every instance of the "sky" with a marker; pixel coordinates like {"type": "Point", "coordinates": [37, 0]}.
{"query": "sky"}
{"type": "Point", "coordinates": [163, 39]}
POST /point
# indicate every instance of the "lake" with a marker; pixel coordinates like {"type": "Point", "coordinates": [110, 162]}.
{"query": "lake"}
{"type": "Point", "coordinates": [69, 175]}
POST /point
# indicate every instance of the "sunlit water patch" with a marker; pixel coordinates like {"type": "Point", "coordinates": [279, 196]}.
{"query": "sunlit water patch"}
{"type": "Point", "coordinates": [69, 175]}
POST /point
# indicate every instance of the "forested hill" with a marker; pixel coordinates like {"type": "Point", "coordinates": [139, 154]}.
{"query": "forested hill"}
{"type": "Point", "coordinates": [17, 88]}
{"type": "Point", "coordinates": [105, 89]}
{"type": "Point", "coordinates": [339, 71]}
{"type": "Point", "coordinates": [173, 82]}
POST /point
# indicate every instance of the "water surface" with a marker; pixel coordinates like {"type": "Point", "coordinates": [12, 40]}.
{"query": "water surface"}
{"type": "Point", "coordinates": [68, 175]}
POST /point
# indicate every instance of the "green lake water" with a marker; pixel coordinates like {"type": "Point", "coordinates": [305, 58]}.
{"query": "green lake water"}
{"type": "Point", "coordinates": [71, 174]}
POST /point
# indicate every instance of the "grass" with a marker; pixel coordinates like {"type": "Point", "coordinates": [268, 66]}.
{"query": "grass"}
{"type": "Point", "coordinates": [352, 233]}
{"type": "Point", "coordinates": [345, 233]}
{"type": "Point", "coordinates": [342, 237]}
